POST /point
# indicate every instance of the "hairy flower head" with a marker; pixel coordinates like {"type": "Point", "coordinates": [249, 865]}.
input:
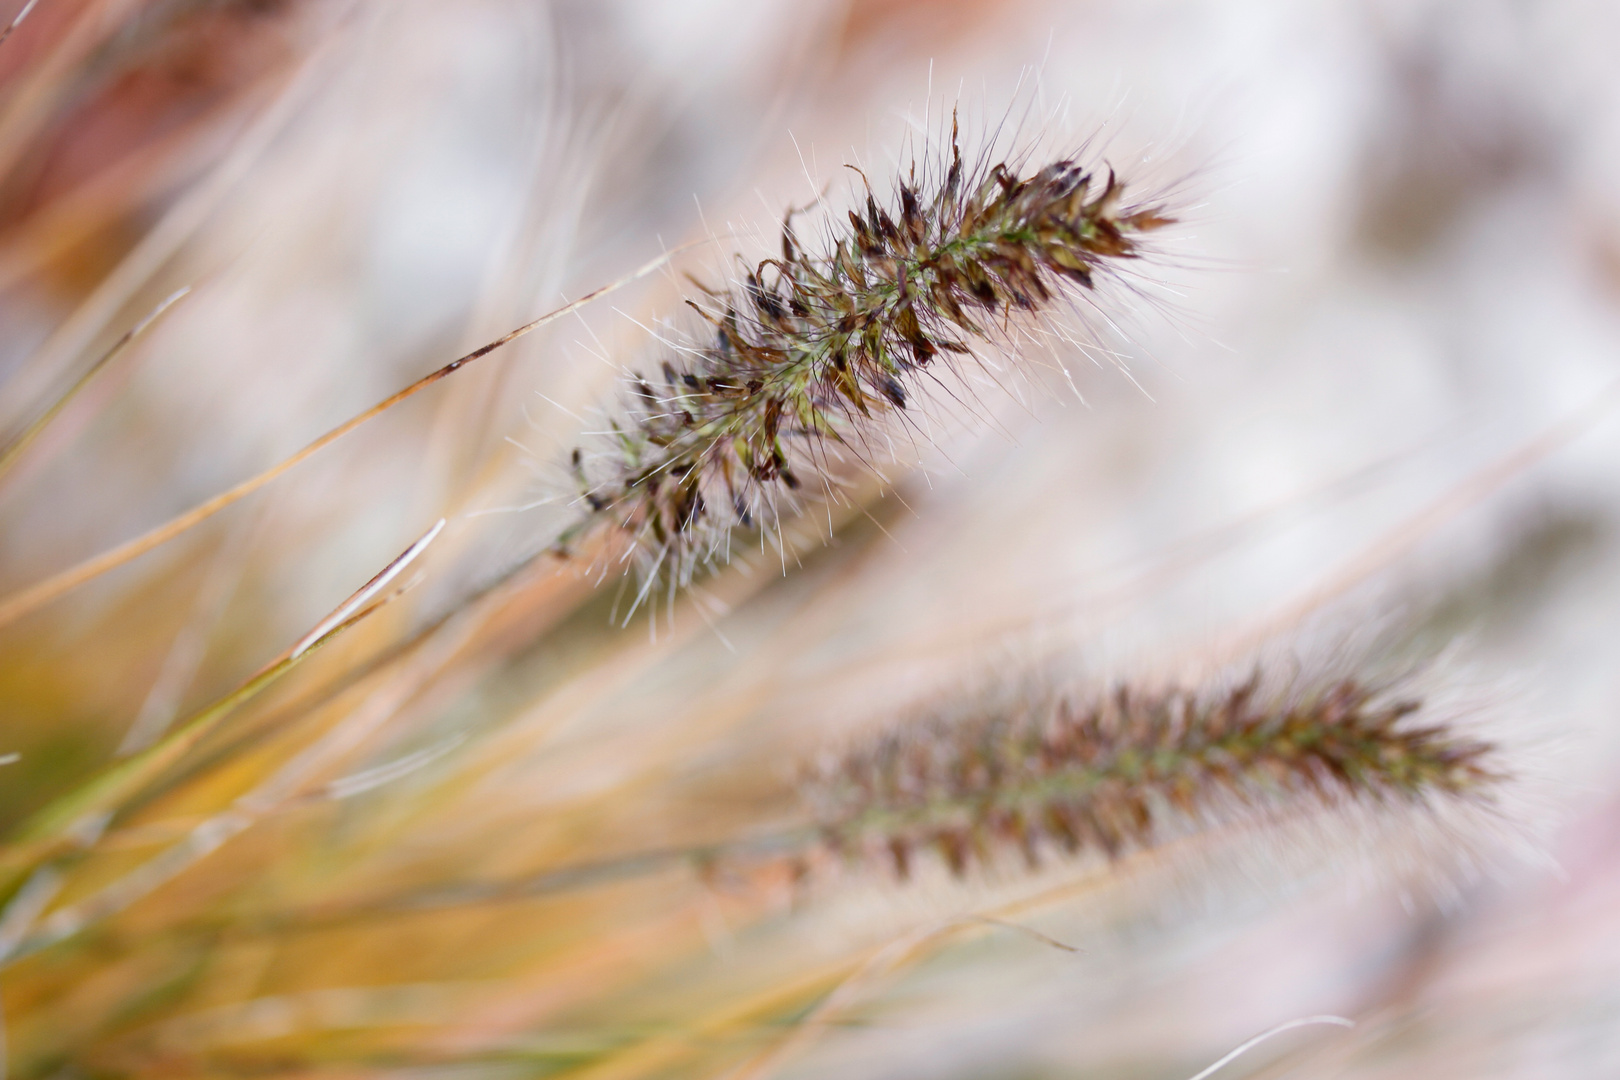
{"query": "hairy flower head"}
{"type": "Point", "coordinates": [1112, 770]}
{"type": "Point", "coordinates": [806, 353]}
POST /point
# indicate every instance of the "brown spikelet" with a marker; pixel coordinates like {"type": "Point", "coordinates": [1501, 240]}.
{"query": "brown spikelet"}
{"type": "Point", "coordinates": [1108, 771]}
{"type": "Point", "coordinates": [808, 349]}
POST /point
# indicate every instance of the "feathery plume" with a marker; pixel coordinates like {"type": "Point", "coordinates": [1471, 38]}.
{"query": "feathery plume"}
{"type": "Point", "coordinates": [1114, 770]}
{"type": "Point", "coordinates": [808, 350]}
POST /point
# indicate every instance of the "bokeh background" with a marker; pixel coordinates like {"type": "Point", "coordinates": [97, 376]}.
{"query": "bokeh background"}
{"type": "Point", "coordinates": [1366, 380]}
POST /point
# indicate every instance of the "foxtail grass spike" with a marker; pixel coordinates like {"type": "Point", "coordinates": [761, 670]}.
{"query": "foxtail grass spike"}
{"type": "Point", "coordinates": [808, 350]}
{"type": "Point", "coordinates": [1112, 771]}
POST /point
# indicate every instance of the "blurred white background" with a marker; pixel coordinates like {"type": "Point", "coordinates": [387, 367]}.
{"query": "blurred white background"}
{"type": "Point", "coordinates": [1399, 263]}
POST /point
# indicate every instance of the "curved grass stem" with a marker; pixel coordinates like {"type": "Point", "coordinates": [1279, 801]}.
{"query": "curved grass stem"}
{"type": "Point", "coordinates": [13, 451]}
{"type": "Point", "coordinates": [81, 814]}
{"type": "Point", "coordinates": [31, 599]}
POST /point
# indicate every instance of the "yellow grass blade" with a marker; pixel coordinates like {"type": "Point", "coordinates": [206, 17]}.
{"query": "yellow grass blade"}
{"type": "Point", "coordinates": [81, 811]}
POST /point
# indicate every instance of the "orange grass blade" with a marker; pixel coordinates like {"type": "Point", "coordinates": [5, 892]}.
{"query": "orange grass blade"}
{"type": "Point", "coordinates": [31, 599]}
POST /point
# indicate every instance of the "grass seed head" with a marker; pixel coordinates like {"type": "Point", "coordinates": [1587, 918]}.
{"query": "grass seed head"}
{"type": "Point", "coordinates": [1114, 770]}
{"type": "Point", "coordinates": [807, 352]}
